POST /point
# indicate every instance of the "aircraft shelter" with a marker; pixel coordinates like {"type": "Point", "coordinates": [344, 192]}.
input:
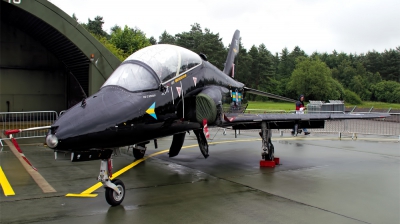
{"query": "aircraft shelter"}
{"type": "Point", "coordinates": [44, 55]}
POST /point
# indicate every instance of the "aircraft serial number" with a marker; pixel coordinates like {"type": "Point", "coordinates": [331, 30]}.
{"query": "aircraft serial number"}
{"type": "Point", "coordinates": [15, 1]}
{"type": "Point", "coordinates": [149, 96]}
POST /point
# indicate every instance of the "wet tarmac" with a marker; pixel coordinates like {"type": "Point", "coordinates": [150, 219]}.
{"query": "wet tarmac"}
{"type": "Point", "coordinates": [320, 180]}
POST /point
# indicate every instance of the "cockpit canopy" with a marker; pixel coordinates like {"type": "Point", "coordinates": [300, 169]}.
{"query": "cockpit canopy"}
{"type": "Point", "coordinates": [166, 61]}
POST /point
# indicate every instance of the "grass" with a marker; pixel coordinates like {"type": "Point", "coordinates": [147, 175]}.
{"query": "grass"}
{"type": "Point", "coordinates": [269, 105]}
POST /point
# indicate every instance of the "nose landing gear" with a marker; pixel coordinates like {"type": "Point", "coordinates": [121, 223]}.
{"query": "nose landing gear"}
{"type": "Point", "coordinates": [115, 189]}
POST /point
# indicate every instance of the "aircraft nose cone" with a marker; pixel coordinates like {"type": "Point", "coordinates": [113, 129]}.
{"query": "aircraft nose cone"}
{"type": "Point", "coordinates": [52, 141]}
{"type": "Point", "coordinates": [92, 125]}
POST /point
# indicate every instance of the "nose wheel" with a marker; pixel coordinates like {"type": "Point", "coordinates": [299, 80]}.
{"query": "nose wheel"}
{"type": "Point", "coordinates": [114, 198]}
{"type": "Point", "coordinates": [268, 155]}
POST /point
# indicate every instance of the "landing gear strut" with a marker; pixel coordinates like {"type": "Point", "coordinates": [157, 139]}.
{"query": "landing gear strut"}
{"type": "Point", "coordinates": [202, 140]}
{"type": "Point", "coordinates": [115, 189]}
{"type": "Point", "coordinates": [267, 146]}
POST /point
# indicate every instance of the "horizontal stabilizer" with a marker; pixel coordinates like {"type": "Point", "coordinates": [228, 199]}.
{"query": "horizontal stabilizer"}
{"type": "Point", "coordinates": [270, 95]}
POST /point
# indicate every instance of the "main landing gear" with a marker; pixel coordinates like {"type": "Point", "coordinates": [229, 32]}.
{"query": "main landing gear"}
{"type": "Point", "coordinates": [115, 189]}
{"type": "Point", "coordinates": [267, 146]}
{"type": "Point", "coordinates": [139, 149]}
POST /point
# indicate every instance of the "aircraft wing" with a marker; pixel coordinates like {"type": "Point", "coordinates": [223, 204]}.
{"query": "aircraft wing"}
{"type": "Point", "coordinates": [286, 121]}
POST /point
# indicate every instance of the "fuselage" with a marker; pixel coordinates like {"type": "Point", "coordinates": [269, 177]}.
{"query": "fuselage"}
{"type": "Point", "coordinates": [156, 92]}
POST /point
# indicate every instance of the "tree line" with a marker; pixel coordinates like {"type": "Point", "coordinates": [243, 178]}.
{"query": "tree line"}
{"type": "Point", "coordinates": [371, 76]}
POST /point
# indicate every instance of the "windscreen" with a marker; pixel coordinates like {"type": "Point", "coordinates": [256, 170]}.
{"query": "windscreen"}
{"type": "Point", "coordinates": [132, 77]}
{"type": "Point", "coordinates": [166, 60]}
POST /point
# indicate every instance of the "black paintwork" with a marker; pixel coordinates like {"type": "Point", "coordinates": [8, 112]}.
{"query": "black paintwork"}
{"type": "Point", "coordinates": [116, 116]}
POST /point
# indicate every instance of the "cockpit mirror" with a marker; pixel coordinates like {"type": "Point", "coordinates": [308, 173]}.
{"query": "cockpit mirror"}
{"type": "Point", "coordinates": [203, 56]}
{"type": "Point", "coordinates": [162, 88]}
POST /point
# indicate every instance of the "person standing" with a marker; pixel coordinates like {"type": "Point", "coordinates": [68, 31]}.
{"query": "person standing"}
{"type": "Point", "coordinates": [300, 110]}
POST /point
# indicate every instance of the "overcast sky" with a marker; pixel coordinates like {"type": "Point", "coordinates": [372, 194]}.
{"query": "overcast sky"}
{"type": "Point", "coordinates": [350, 26]}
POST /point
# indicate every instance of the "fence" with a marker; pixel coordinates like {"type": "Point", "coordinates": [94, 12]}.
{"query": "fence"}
{"type": "Point", "coordinates": [22, 120]}
{"type": "Point", "coordinates": [360, 126]}
{"type": "Point", "coordinates": [389, 126]}
{"type": "Point", "coordinates": [322, 107]}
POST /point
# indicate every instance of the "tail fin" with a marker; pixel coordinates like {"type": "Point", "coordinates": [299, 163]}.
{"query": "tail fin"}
{"type": "Point", "coordinates": [233, 51]}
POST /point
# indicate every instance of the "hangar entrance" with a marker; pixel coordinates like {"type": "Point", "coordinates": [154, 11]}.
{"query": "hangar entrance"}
{"type": "Point", "coordinates": [31, 77]}
{"type": "Point", "coordinates": [48, 62]}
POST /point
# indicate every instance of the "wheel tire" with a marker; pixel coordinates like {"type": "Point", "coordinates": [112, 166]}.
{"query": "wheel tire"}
{"type": "Point", "coordinates": [270, 156]}
{"type": "Point", "coordinates": [112, 197]}
{"type": "Point", "coordinates": [138, 154]}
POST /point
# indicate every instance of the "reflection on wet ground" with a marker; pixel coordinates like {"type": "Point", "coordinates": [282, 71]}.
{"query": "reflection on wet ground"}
{"type": "Point", "coordinates": [320, 180]}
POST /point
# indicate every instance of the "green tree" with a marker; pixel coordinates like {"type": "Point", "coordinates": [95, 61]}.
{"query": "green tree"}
{"type": "Point", "coordinates": [191, 39]}
{"type": "Point", "coordinates": [387, 91]}
{"type": "Point", "coordinates": [243, 65]}
{"type": "Point", "coordinates": [74, 17]}
{"type": "Point", "coordinates": [287, 62]}
{"type": "Point", "coordinates": [211, 45]}
{"type": "Point", "coordinates": [254, 80]}
{"type": "Point", "coordinates": [296, 52]}
{"type": "Point", "coordinates": [373, 61]}
{"type": "Point", "coordinates": [352, 97]}
{"type": "Point", "coordinates": [96, 26]}
{"type": "Point", "coordinates": [114, 28]}
{"type": "Point", "coordinates": [344, 73]}
{"type": "Point", "coordinates": [206, 42]}
{"type": "Point", "coordinates": [152, 40]}
{"type": "Point", "coordinates": [313, 79]}
{"type": "Point", "coordinates": [166, 38]}
{"type": "Point", "coordinates": [357, 85]}
{"type": "Point", "coordinates": [111, 47]}
{"type": "Point", "coordinates": [391, 65]}
{"type": "Point", "coordinates": [284, 67]}
{"type": "Point", "coordinates": [263, 70]}
{"type": "Point", "coordinates": [129, 40]}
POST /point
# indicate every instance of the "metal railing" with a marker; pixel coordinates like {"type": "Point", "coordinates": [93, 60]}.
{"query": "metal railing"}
{"type": "Point", "coordinates": [389, 126]}
{"type": "Point", "coordinates": [367, 126]}
{"type": "Point", "coordinates": [28, 119]}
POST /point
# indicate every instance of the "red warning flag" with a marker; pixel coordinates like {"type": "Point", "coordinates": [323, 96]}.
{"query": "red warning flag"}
{"type": "Point", "coordinates": [179, 89]}
{"type": "Point", "coordinates": [21, 153]}
{"type": "Point", "coordinates": [206, 128]}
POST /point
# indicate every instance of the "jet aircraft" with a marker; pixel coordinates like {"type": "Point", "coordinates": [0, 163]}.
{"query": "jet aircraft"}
{"type": "Point", "coordinates": [166, 90]}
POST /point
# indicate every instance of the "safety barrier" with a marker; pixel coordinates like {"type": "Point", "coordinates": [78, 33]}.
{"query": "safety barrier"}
{"type": "Point", "coordinates": [369, 127]}
{"type": "Point", "coordinates": [28, 119]}
{"type": "Point", "coordinates": [389, 126]}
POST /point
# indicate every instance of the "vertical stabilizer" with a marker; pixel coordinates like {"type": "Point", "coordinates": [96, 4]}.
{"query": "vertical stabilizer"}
{"type": "Point", "coordinates": [233, 51]}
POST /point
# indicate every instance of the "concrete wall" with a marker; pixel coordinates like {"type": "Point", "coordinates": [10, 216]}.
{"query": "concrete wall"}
{"type": "Point", "coordinates": [31, 78]}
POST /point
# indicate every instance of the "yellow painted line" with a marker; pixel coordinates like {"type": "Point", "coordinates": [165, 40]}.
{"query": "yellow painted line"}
{"type": "Point", "coordinates": [82, 195]}
{"type": "Point", "coordinates": [7, 189]}
{"type": "Point", "coordinates": [92, 188]}
{"type": "Point", "coordinates": [88, 192]}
